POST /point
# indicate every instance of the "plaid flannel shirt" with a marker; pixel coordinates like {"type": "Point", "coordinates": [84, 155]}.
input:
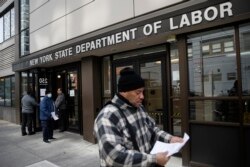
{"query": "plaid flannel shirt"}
{"type": "Point", "coordinates": [115, 146]}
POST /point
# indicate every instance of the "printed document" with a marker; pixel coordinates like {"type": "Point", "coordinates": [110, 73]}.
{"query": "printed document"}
{"type": "Point", "coordinates": [171, 148]}
{"type": "Point", "coordinates": [54, 116]}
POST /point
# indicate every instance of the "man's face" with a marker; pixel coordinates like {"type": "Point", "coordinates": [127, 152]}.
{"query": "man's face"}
{"type": "Point", "coordinates": [135, 97]}
{"type": "Point", "coordinates": [59, 91]}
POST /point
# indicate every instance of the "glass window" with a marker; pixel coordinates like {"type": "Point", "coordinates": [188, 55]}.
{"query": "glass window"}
{"type": "Point", "coordinates": [24, 14]}
{"type": "Point", "coordinates": [1, 29]}
{"type": "Point", "coordinates": [12, 30]}
{"type": "Point", "coordinates": [214, 110]}
{"type": "Point", "coordinates": [175, 77]}
{"type": "Point", "coordinates": [7, 92]}
{"type": "Point", "coordinates": [106, 79]}
{"type": "Point", "coordinates": [1, 91]}
{"type": "Point", "coordinates": [13, 90]}
{"type": "Point", "coordinates": [213, 73]}
{"type": "Point", "coordinates": [6, 20]}
{"type": "Point", "coordinates": [24, 82]}
{"type": "Point", "coordinates": [245, 58]}
{"type": "Point", "coordinates": [212, 63]}
{"type": "Point", "coordinates": [175, 84]}
{"type": "Point", "coordinates": [24, 27]}
{"type": "Point", "coordinates": [25, 46]}
{"type": "Point", "coordinates": [246, 116]}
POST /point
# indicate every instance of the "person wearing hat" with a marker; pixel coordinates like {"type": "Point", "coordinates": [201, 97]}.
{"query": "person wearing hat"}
{"type": "Point", "coordinates": [125, 132]}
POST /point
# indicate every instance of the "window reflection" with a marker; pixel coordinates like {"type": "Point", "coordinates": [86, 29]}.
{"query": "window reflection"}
{"type": "Point", "coordinates": [175, 93]}
{"type": "Point", "coordinates": [246, 116]}
{"type": "Point", "coordinates": [7, 91]}
{"type": "Point", "coordinates": [175, 77]}
{"type": "Point", "coordinates": [212, 63]}
{"type": "Point", "coordinates": [24, 27]}
{"type": "Point", "coordinates": [213, 73]}
{"type": "Point", "coordinates": [214, 110]}
{"type": "Point", "coordinates": [245, 58]}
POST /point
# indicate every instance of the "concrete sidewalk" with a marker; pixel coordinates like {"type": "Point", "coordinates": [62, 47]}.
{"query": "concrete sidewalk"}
{"type": "Point", "coordinates": [68, 150]}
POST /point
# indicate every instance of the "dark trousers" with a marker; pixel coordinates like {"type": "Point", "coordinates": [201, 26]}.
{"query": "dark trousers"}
{"type": "Point", "coordinates": [27, 121]}
{"type": "Point", "coordinates": [62, 119]}
{"type": "Point", "coordinates": [47, 126]}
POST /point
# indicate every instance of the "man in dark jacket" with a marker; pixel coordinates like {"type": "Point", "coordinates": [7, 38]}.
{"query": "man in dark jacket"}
{"type": "Point", "coordinates": [47, 106]}
{"type": "Point", "coordinates": [28, 104]}
{"type": "Point", "coordinates": [61, 108]}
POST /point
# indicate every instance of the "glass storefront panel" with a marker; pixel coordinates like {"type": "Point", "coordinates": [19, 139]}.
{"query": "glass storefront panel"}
{"type": "Point", "coordinates": [244, 31]}
{"type": "Point", "coordinates": [246, 116]}
{"type": "Point", "coordinates": [24, 82]}
{"type": "Point", "coordinates": [245, 58]}
{"type": "Point", "coordinates": [1, 29]}
{"type": "Point", "coordinates": [212, 63]}
{"type": "Point", "coordinates": [13, 90]}
{"type": "Point", "coordinates": [106, 68]}
{"type": "Point", "coordinates": [1, 91]}
{"type": "Point", "coordinates": [72, 101]}
{"type": "Point", "coordinates": [213, 74]}
{"type": "Point", "coordinates": [175, 92]}
{"type": "Point", "coordinates": [214, 110]}
{"type": "Point", "coordinates": [7, 92]}
{"type": "Point", "coordinates": [175, 72]}
{"type": "Point", "coordinates": [151, 73]}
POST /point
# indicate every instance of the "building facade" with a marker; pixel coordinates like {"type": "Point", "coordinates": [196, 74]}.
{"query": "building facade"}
{"type": "Point", "coordinates": [193, 54]}
{"type": "Point", "coordinates": [7, 56]}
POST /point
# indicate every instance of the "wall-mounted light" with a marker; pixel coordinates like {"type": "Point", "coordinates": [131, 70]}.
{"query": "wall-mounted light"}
{"type": "Point", "coordinates": [59, 76]}
{"type": "Point", "coordinates": [171, 38]}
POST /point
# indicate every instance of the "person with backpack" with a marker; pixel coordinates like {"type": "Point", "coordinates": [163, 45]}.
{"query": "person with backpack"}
{"type": "Point", "coordinates": [125, 132]}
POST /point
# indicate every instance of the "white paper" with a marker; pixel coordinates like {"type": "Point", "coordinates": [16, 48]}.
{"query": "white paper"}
{"type": "Point", "coordinates": [54, 116]}
{"type": "Point", "coordinates": [171, 148]}
{"type": "Point", "coordinates": [72, 93]}
{"type": "Point", "coordinates": [42, 92]}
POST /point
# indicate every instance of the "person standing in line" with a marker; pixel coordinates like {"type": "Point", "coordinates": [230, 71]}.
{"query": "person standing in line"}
{"type": "Point", "coordinates": [61, 108]}
{"type": "Point", "coordinates": [28, 103]}
{"type": "Point", "coordinates": [47, 106]}
{"type": "Point", "coordinates": [125, 132]}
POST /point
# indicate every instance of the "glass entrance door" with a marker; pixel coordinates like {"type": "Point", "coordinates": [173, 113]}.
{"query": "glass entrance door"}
{"type": "Point", "coordinates": [72, 105]}
{"type": "Point", "coordinates": [67, 79]}
{"type": "Point", "coordinates": [150, 70]}
{"type": "Point", "coordinates": [152, 74]}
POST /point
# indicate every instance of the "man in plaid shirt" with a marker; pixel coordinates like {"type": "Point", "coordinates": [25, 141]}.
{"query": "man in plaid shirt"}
{"type": "Point", "coordinates": [118, 146]}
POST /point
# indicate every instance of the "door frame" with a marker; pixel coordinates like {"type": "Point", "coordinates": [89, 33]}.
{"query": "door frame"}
{"type": "Point", "coordinates": [144, 58]}
{"type": "Point", "coordinates": [67, 68]}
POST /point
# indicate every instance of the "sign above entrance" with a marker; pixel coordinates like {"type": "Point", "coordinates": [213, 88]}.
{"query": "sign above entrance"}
{"type": "Point", "coordinates": [209, 14]}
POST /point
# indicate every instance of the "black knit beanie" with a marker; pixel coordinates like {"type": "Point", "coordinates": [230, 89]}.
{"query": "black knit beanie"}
{"type": "Point", "coordinates": [129, 80]}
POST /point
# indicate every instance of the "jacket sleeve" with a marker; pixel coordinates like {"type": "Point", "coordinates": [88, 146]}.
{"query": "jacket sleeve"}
{"type": "Point", "coordinates": [112, 144]}
{"type": "Point", "coordinates": [34, 103]}
{"type": "Point", "coordinates": [44, 107]}
{"type": "Point", "coordinates": [158, 133]}
{"type": "Point", "coordinates": [58, 101]}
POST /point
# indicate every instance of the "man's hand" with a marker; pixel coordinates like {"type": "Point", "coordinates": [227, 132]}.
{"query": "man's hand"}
{"type": "Point", "coordinates": [162, 158]}
{"type": "Point", "coordinates": [175, 139]}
